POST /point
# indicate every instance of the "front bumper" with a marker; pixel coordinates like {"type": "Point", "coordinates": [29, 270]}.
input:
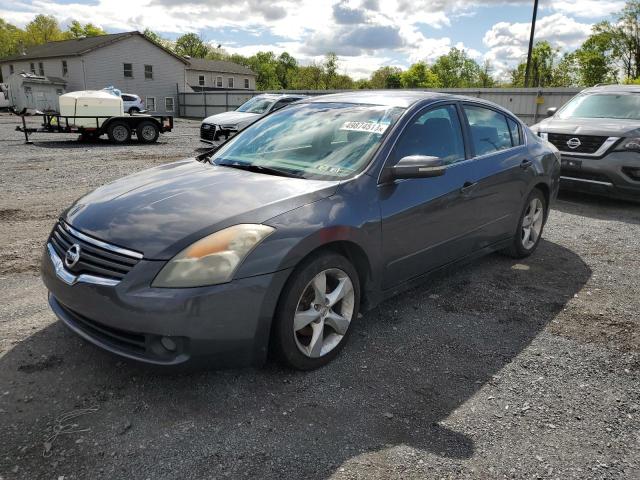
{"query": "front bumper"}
{"type": "Point", "coordinates": [211, 133]}
{"type": "Point", "coordinates": [227, 325]}
{"type": "Point", "coordinates": [609, 175]}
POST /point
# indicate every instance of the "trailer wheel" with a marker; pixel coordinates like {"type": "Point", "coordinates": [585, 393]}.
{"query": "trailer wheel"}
{"type": "Point", "coordinates": [119, 132]}
{"type": "Point", "coordinates": [147, 132]}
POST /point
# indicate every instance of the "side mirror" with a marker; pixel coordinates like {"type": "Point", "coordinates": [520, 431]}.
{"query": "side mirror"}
{"type": "Point", "coordinates": [551, 111]}
{"type": "Point", "coordinates": [417, 166]}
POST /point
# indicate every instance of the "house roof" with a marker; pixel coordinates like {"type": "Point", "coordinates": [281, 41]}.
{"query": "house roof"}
{"type": "Point", "coordinates": [217, 66]}
{"type": "Point", "coordinates": [78, 46]}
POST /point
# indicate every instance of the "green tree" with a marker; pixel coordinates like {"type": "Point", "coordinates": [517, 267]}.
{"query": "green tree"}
{"type": "Point", "coordinates": [285, 66]}
{"type": "Point", "coordinates": [419, 75]}
{"type": "Point", "coordinates": [191, 45]}
{"type": "Point", "coordinates": [77, 30]}
{"type": "Point", "coordinates": [566, 72]}
{"type": "Point", "coordinates": [43, 29]}
{"type": "Point", "coordinates": [386, 77]}
{"type": "Point", "coordinates": [309, 77]}
{"type": "Point", "coordinates": [264, 64]}
{"type": "Point", "coordinates": [330, 66]}
{"type": "Point", "coordinates": [12, 39]}
{"type": "Point", "coordinates": [456, 70]}
{"type": "Point", "coordinates": [485, 77]}
{"type": "Point", "coordinates": [543, 58]}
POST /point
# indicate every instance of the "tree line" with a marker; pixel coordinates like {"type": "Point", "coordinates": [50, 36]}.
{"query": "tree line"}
{"type": "Point", "coordinates": [610, 54]}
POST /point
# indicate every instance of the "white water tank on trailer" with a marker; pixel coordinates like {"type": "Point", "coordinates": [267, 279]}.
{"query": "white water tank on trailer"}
{"type": "Point", "coordinates": [89, 103]}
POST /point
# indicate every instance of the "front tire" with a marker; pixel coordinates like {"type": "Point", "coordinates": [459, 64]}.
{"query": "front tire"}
{"type": "Point", "coordinates": [530, 226]}
{"type": "Point", "coordinates": [119, 132]}
{"type": "Point", "coordinates": [316, 309]}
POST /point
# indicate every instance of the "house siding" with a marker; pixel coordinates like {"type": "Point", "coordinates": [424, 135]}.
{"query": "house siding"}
{"type": "Point", "coordinates": [210, 79]}
{"type": "Point", "coordinates": [105, 66]}
{"type": "Point", "coordinates": [52, 68]}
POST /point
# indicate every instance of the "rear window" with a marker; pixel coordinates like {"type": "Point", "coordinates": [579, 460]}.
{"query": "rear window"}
{"type": "Point", "coordinates": [489, 130]}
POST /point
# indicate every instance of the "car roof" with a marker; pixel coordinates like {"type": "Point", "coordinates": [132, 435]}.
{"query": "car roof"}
{"type": "Point", "coordinates": [281, 95]}
{"type": "Point", "coordinates": [395, 98]}
{"type": "Point", "coordinates": [613, 88]}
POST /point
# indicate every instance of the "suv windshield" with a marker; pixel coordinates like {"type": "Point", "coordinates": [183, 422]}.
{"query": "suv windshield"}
{"type": "Point", "coordinates": [602, 105]}
{"type": "Point", "coordinates": [313, 140]}
{"type": "Point", "coordinates": [256, 105]}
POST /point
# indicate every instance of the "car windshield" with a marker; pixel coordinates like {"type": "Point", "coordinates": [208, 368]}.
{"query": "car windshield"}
{"type": "Point", "coordinates": [256, 105]}
{"type": "Point", "coordinates": [313, 140]}
{"type": "Point", "coordinates": [603, 105]}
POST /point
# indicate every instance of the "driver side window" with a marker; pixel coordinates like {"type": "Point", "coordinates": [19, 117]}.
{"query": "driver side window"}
{"type": "Point", "coordinates": [435, 133]}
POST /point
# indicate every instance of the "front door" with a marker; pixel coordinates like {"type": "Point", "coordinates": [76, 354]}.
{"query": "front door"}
{"type": "Point", "coordinates": [428, 222]}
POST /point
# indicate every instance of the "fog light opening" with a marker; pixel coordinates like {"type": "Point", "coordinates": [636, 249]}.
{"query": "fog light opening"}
{"type": "Point", "coordinates": [169, 344]}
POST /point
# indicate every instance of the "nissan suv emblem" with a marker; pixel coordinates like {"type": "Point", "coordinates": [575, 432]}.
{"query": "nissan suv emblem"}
{"type": "Point", "coordinates": [573, 143]}
{"type": "Point", "coordinates": [72, 256]}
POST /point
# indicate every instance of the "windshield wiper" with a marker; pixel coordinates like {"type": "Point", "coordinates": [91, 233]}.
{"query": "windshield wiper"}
{"type": "Point", "coordinates": [259, 169]}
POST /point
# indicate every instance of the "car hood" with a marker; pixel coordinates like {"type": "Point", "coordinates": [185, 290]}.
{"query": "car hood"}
{"type": "Point", "coordinates": [161, 211]}
{"type": "Point", "coordinates": [609, 127]}
{"type": "Point", "coordinates": [231, 118]}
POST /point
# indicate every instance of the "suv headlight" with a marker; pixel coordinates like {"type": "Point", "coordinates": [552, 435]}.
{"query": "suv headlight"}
{"type": "Point", "coordinates": [213, 259]}
{"type": "Point", "coordinates": [631, 144]}
{"type": "Point", "coordinates": [544, 135]}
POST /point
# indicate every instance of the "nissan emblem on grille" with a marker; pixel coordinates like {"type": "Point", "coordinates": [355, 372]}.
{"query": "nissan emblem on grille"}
{"type": "Point", "coordinates": [573, 143]}
{"type": "Point", "coordinates": [72, 256]}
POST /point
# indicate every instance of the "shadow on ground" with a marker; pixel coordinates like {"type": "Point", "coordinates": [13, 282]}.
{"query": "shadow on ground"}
{"type": "Point", "coordinates": [409, 364]}
{"type": "Point", "coordinates": [598, 207]}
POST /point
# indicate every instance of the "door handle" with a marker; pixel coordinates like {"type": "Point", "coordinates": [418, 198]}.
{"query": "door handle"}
{"type": "Point", "coordinates": [525, 164]}
{"type": "Point", "coordinates": [468, 187]}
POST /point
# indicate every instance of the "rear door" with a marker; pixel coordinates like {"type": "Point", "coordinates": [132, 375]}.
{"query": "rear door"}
{"type": "Point", "coordinates": [503, 167]}
{"type": "Point", "coordinates": [428, 222]}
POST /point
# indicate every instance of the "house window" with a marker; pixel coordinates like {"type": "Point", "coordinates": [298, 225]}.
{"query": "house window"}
{"type": "Point", "coordinates": [201, 80]}
{"type": "Point", "coordinates": [65, 69]}
{"type": "Point", "coordinates": [128, 70]}
{"type": "Point", "coordinates": [33, 68]}
{"type": "Point", "coordinates": [219, 82]}
{"type": "Point", "coordinates": [41, 68]}
{"type": "Point", "coordinates": [148, 72]}
{"type": "Point", "coordinates": [230, 82]}
{"type": "Point", "coordinates": [150, 102]}
{"type": "Point", "coordinates": [246, 83]}
{"type": "Point", "coordinates": [168, 104]}
{"type": "Point", "coordinates": [11, 69]}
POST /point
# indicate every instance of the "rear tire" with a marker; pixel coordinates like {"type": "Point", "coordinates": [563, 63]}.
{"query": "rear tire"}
{"type": "Point", "coordinates": [119, 132]}
{"type": "Point", "coordinates": [530, 226]}
{"type": "Point", "coordinates": [317, 307]}
{"type": "Point", "coordinates": [147, 132]}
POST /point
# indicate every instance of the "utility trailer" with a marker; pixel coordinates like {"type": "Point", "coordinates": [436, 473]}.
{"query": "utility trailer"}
{"type": "Point", "coordinates": [118, 128]}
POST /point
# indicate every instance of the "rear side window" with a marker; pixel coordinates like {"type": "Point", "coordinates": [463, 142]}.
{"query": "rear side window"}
{"type": "Point", "coordinates": [514, 128]}
{"type": "Point", "coordinates": [435, 133]}
{"type": "Point", "coordinates": [489, 130]}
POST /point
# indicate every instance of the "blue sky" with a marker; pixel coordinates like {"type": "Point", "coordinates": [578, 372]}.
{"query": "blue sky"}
{"type": "Point", "coordinates": [366, 34]}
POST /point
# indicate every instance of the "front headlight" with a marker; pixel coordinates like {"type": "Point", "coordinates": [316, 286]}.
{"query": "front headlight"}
{"type": "Point", "coordinates": [213, 259]}
{"type": "Point", "coordinates": [631, 144]}
{"type": "Point", "coordinates": [544, 135]}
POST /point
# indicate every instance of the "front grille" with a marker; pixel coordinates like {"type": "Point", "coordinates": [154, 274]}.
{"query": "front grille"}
{"type": "Point", "coordinates": [121, 339]}
{"type": "Point", "coordinates": [94, 259]}
{"type": "Point", "coordinates": [207, 131]}
{"type": "Point", "coordinates": [588, 143]}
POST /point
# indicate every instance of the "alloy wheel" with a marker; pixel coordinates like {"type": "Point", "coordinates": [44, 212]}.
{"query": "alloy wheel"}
{"type": "Point", "coordinates": [324, 312]}
{"type": "Point", "coordinates": [532, 223]}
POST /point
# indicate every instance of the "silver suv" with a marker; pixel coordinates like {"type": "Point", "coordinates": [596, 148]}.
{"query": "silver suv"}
{"type": "Point", "coordinates": [598, 135]}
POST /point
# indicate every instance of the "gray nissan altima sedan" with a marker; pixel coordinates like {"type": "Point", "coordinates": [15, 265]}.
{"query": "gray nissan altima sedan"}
{"type": "Point", "coordinates": [279, 238]}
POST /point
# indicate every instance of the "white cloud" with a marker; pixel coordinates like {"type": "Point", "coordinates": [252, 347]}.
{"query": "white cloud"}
{"type": "Point", "coordinates": [366, 34]}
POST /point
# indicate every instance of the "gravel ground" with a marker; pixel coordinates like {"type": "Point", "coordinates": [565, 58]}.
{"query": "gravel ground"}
{"type": "Point", "coordinates": [498, 370]}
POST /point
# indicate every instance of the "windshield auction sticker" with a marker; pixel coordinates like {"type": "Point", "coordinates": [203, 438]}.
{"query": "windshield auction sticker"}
{"type": "Point", "coordinates": [369, 127]}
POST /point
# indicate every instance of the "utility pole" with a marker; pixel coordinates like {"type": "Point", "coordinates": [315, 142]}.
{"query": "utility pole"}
{"type": "Point", "coordinates": [533, 32]}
